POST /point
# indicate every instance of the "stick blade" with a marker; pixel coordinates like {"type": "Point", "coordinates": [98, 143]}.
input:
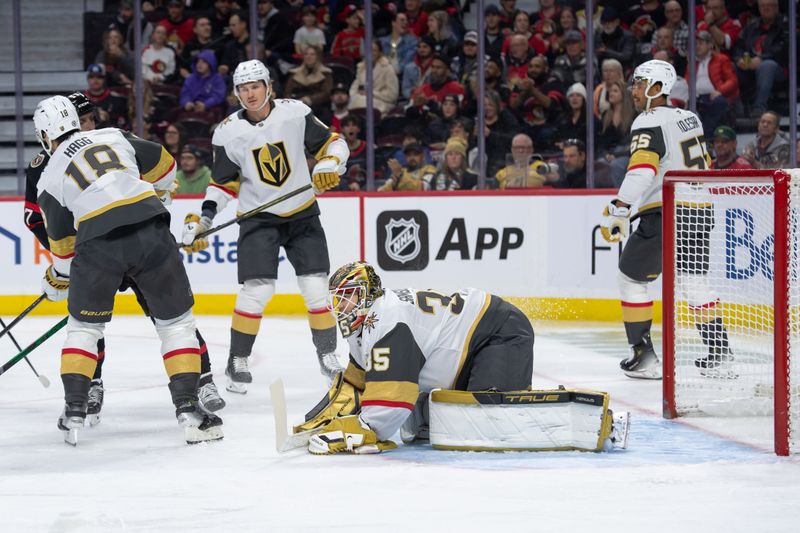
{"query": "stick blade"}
{"type": "Point", "coordinates": [44, 381]}
{"type": "Point", "coordinates": [277, 397]}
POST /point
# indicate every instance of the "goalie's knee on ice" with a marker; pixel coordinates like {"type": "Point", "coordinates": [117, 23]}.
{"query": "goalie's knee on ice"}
{"type": "Point", "coordinates": [631, 290]}
{"type": "Point", "coordinates": [314, 288]}
{"type": "Point", "coordinates": [254, 295]}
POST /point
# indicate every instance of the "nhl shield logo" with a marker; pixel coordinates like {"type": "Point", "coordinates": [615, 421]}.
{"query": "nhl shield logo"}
{"type": "Point", "coordinates": [402, 240]}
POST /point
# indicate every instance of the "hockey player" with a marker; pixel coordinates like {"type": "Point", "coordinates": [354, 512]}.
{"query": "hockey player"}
{"type": "Point", "coordinates": [207, 393]}
{"type": "Point", "coordinates": [259, 154]}
{"type": "Point", "coordinates": [663, 138]}
{"type": "Point", "coordinates": [99, 200]}
{"type": "Point", "coordinates": [404, 343]}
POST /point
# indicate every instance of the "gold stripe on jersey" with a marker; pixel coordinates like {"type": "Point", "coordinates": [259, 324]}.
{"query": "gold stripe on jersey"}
{"type": "Point", "coordinates": [644, 157]}
{"type": "Point", "coordinates": [355, 376]}
{"type": "Point", "coordinates": [165, 163]}
{"type": "Point", "coordinates": [391, 391]}
{"type": "Point", "coordinates": [321, 151]}
{"type": "Point", "coordinates": [112, 205]}
{"type": "Point", "coordinates": [321, 320]}
{"type": "Point", "coordinates": [63, 247]}
{"type": "Point", "coordinates": [465, 349]}
{"type": "Point", "coordinates": [230, 187]}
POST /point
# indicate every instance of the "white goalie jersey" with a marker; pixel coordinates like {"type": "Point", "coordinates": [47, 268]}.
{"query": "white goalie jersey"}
{"type": "Point", "coordinates": [257, 162]}
{"type": "Point", "coordinates": [662, 139]}
{"type": "Point", "coordinates": [413, 341]}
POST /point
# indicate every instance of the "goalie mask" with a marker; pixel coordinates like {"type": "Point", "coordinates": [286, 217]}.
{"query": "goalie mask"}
{"type": "Point", "coordinates": [652, 72]}
{"type": "Point", "coordinates": [352, 290]}
{"type": "Point", "coordinates": [247, 72]}
{"type": "Point", "coordinates": [54, 117]}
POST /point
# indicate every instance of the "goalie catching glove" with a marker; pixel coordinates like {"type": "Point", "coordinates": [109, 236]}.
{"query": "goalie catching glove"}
{"type": "Point", "coordinates": [342, 399]}
{"type": "Point", "coordinates": [348, 434]}
{"type": "Point", "coordinates": [54, 285]}
{"type": "Point", "coordinates": [193, 225]}
{"type": "Point", "coordinates": [325, 175]}
{"type": "Point", "coordinates": [615, 222]}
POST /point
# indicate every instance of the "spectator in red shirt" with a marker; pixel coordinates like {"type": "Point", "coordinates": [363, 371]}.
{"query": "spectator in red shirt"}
{"type": "Point", "coordinates": [517, 60]}
{"type": "Point", "coordinates": [440, 83]}
{"type": "Point", "coordinates": [417, 18]}
{"type": "Point", "coordinates": [722, 27]}
{"type": "Point", "coordinates": [715, 81]}
{"type": "Point", "coordinates": [547, 10]}
{"type": "Point", "coordinates": [725, 150]}
{"type": "Point", "coordinates": [508, 11]}
{"type": "Point", "coordinates": [348, 42]}
{"type": "Point", "coordinates": [522, 26]}
{"type": "Point", "coordinates": [179, 26]}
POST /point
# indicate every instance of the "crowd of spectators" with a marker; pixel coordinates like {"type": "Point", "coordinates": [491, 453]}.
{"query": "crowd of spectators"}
{"type": "Point", "coordinates": [424, 90]}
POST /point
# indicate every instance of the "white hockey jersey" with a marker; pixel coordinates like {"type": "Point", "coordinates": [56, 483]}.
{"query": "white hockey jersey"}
{"type": "Point", "coordinates": [411, 341]}
{"type": "Point", "coordinates": [662, 139]}
{"type": "Point", "coordinates": [258, 162]}
{"type": "Point", "coordinates": [97, 181]}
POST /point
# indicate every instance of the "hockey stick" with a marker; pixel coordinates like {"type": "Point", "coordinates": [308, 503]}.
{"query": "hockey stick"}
{"type": "Point", "coordinates": [42, 379]}
{"type": "Point", "coordinates": [22, 315]}
{"type": "Point", "coordinates": [248, 214]}
{"type": "Point", "coordinates": [283, 441]}
{"type": "Point", "coordinates": [32, 346]}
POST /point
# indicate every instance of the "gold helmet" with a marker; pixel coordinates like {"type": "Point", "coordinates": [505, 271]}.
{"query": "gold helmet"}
{"type": "Point", "coordinates": [352, 290]}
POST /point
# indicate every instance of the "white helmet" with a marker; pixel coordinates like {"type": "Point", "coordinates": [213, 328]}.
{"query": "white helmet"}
{"type": "Point", "coordinates": [54, 116]}
{"type": "Point", "coordinates": [248, 71]}
{"type": "Point", "coordinates": [656, 71]}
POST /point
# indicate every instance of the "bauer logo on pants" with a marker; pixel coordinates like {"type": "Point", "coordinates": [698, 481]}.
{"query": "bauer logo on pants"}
{"type": "Point", "coordinates": [402, 240]}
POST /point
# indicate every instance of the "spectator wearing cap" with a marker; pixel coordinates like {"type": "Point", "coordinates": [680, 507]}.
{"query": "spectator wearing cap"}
{"type": "Point", "coordinates": [613, 42]}
{"type": "Point", "coordinates": [570, 67]}
{"type": "Point", "coordinates": [438, 126]}
{"type": "Point", "coordinates": [445, 42]}
{"type": "Point", "coordinates": [724, 141]}
{"type": "Point", "coordinates": [760, 55]}
{"type": "Point", "coordinates": [111, 107]}
{"type": "Point", "coordinates": [412, 176]}
{"type": "Point", "coordinates": [522, 27]}
{"type": "Point", "coordinates": [415, 72]}
{"type": "Point", "coordinates": [400, 45]}
{"type": "Point", "coordinates": [277, 34]}
{"type": "Point", "coordinates": [724, 29]}
{"type": "Point", "coordinates": [159, 62]}
{"type": "Point", "coordinates": [452, 173]}
{"type": "Point", "coordinates": [430, 94]}
{"type": "Point", "coordinates": [193, 176]}
{"type": "Point", "coordinates": [204, 89]}
{"type": "Point", "coordinates": [347, 43]}
{"type": "Point", "coordinates": [567, 22]}
{"type": "Point", "coordinates": [385, 87]}
{"type": "Point", "coordinates": [716, 83]}
{"type": "Point", "coordinates": [311, 82]}
{"type": "Point", "coordinates": [572, 123]}
{"type": "Point", "coordinates": [179, 26]}
{"type": "Point", "coordinates": [465, 65]}
{"type": "Point", "coordinates": [411, 135]}
{"type": "Point", "coordinates": [540, 101]}
{"type": "Point", "coordinates": [771, 148]}
{"type": "Point", "coordinates": [115, 58]}
{"type": "Point", "coordinates": [417, 17]}
{"type": "Point", "coordinates": [200, 41]}
{"type": "Point", "coordinates": [572, 174]}
{"type": "Point", "coordinates": [355, 176]}
{"type": "Point", "coordinates": [309, 34]}
{"type": "Point", "coordinates": [339, 108]}
{"type": "Point", "coordinates": [494, 33]}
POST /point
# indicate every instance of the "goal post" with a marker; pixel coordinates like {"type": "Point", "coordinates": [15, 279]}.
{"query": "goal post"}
{"type": "Point", "coordinates": [731, 297]}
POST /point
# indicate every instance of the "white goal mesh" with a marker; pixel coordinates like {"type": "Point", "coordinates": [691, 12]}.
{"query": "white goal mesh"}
{"type": "Point", "coordinates": [720, 282]}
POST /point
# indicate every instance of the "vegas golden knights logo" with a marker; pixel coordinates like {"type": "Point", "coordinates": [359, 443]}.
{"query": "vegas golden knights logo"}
{"type": "Point", "coordinates": [272, 163]}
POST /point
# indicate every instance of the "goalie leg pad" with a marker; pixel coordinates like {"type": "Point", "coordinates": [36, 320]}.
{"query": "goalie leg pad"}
{"type": "Point", "coordinates": [530, 420]}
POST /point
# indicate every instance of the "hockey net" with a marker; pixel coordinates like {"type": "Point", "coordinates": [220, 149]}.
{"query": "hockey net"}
{"type": "Point", "coordinates": [731, 298]}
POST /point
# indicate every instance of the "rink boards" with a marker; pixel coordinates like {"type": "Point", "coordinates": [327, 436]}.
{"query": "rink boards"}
{"type": "Point", "coordinates": [543, 249]}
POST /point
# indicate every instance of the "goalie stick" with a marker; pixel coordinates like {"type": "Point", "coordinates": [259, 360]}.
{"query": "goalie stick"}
{"type": "Point", "coordinates": [32, 346]}
{"type": "Point", "coordinates": [283, 441]}
{"type": "Point", "coordinates": [42, 379]}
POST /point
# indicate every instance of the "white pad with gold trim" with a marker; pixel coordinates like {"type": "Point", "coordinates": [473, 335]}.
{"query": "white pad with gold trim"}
{"type": "Point", "coordinates": [534, 420]}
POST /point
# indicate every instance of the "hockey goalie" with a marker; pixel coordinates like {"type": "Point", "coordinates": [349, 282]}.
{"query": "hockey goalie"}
{"type": "Point", "coordinates": [452, 369]}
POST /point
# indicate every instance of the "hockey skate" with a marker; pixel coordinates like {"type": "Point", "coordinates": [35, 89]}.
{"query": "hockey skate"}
{"type": "Point", "coordinates": [643, 363]}
{"type": "Point", "coordinates": [718, 364]}
{"type": "Point", "coordinates": [96, 393]}
{"type": "Point", "coordinates": [620, 427]}
{"type": "Point", "coordinates": [238, 374]}
{"type": "Point", "coordinates": [198, 426]}
{"type": "Point", "coordinates": [209, 398]}
{"type": "Point", "coordinates": [329, 366]}
{"type": "Point", "coordinates": [71, 420]}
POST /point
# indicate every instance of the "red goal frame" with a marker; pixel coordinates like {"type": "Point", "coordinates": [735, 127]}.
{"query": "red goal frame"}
{"type": "Point", "coordinates": [780, 180]}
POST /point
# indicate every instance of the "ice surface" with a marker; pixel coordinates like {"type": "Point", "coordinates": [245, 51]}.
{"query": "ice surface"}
{"type": "Point", "coordinates": [133, 472]}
